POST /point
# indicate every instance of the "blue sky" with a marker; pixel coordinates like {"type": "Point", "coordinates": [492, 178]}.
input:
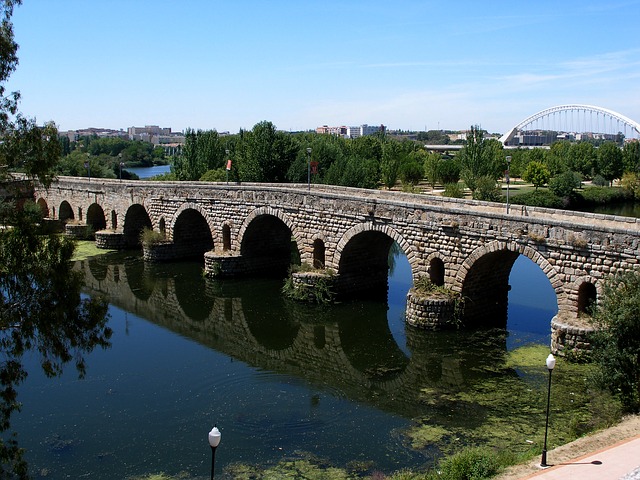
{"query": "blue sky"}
{"type": "Point", "coordinates": [407, 64]}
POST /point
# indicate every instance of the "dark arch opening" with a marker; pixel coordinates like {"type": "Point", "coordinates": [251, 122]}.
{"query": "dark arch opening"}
{"type": "Point", "coordinates": [267, 247]}
{"type": "Point", "coordinates": [114, 219]}
{"type": "Point", "coordinates": [65, 212]}
{"type": "Point", "coordinates": [436, 272]}
{"type": "Point", "coordinates": [135, 220]}
{"type": "Point", "coordinates": [96, 218]}
{"type": "Point", "coordinates": [162, 226]}
{"type": "Point", "coordinates": [44, 208]}
{"type": "Point", "coordinates": [486, 290]}
{"type": "Point", "coordinates": [587, 296]}
{"type": "Point", "coordinates": [191, 235]}
{"type": "Point", "coordinates": [364, 266]}
{"type": "Point", "coordinates": [226, 237]}
{"type": "Point", "coordinates": [318, 253]}
{"type": "Point", "coordinates": [80, 213]}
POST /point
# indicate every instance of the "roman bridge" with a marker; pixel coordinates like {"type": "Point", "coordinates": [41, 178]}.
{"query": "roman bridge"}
{"type": "Point", "coordinates": [467, 246]}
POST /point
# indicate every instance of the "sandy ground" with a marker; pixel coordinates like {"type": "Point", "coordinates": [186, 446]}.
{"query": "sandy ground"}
{"type": "Point", "coordinates": [628, 428]}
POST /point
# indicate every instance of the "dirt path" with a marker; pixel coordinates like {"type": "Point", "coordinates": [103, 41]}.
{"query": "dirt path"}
{"type": "Point", "coordinates": [628, 428]}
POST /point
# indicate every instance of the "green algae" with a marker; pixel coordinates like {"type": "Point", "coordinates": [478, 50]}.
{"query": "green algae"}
{"type": "Point", "coordinates": [86, 249]}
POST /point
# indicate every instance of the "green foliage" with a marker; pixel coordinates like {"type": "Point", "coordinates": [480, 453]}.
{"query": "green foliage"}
{"type": "Point", "coordinates": [480, 158]}
{"type": "Point", "coordinates": [321, 291]}
{"type": "Point", "coordinates": [487, 189]}
{"type": "Point", "coordinates": [453, 190]}
{"type": "Point", "coordinates": [217, 175]}
{"type": "Point", "coordinates": [563, 185]}
{"type": "Point", "coordinates": [353, 172]}
{"type": "Point", "coordinates": [600, 181]}
{"type": "Point", "coordinates": [390, 163]}
{"type": "Point", "coordinates": [631, 184]}
{"type": "Point", "coordinates": [603, 195]}
{"type": "Point", "coordinates": [539, 198]}
{"type": "Point", "coordinates": [537, 173]}
{"type": "Point", "coordinates": [449, 171]}
{"type": "Point", "coordinates": [151, 237]}
{"type": "Point", "coordinates": [582, 158]}
{"type": "Point", "coordinates": [609, 162]}
{"type": "Point", "coordinates": [203, 151]}
{"type": "Point", "coordinates": [411, 171]}
{"type": "Point", "coordinates": [631, 156]}
{"type": "Point", "coordinates": [616, 344]}
{"type": "Point", "coordinates": [470, 464]}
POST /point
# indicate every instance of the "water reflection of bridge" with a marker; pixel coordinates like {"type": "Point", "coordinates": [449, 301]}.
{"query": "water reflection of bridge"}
{"type": "Point", "coordinates": [359, 358]}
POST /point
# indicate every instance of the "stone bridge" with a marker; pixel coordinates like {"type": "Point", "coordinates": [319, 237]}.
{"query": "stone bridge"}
{"type": "Point", "coordinates": [467, 246]}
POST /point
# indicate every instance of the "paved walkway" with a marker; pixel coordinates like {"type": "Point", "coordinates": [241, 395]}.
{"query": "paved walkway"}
{"type": "Point", "coordinates": [620, 461]}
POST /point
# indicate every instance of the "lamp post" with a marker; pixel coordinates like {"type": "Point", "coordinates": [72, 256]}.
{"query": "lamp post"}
{"type": "Point", "coordinates": [309, 168]}
{"type": "Point", "coordinates": [214, 441]}
{"type": "Point", "coordinates": [508, 180]}
{"type": "Point", "coordinates": [121, 165]}
{"type": "Point", "coordinates": [551, 362]}
{"type": "Point", "coordinates": [228, 165]}
{"type": "Point", "coordinates": [87, 165]}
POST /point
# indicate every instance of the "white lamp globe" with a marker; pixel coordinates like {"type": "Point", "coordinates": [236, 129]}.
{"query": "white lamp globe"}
{"type": "Point", "coordinates": [214, 437]}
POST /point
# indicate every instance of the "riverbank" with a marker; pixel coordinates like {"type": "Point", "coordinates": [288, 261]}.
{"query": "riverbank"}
{"type": "Point", "coordinates": [628, 428]}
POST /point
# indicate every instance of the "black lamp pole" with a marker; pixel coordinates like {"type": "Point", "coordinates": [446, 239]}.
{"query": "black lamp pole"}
{"type": "Point", "coordinates": [551, 362]}
{"type": "Point", "coordinates": [309, 169]}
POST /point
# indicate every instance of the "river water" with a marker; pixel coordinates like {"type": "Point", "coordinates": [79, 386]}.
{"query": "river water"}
{"type": "Point", "coordinates": [339, 384]}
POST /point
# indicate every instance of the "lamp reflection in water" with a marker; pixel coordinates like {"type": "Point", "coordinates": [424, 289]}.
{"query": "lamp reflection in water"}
{"type": "Point", "coordinates": [214, 441]}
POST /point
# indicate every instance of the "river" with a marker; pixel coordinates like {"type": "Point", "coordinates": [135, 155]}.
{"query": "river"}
{"type": "Point", "coordinates": [342, 384]}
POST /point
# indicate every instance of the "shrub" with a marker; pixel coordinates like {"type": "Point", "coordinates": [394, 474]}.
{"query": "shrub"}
{"type": "Point", "coordinates": [470, 464]}
{"type": "Point", "coordinates": [564, 184]}
{"type": "Point", "coordinates": [453, 190]}
{"type": "Point", "coordinates": [487, 189]}
{"type": "Point", "coordinates": [603, 195]}
{"type": "Point", "coordinates": [600, 181]}
{"type": "Point", "coordinates": [540, 198]}
{"type": "Point", "coordinates": [149, 237]}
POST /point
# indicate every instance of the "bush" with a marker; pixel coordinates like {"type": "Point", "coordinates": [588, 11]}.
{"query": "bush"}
{"type": "Point", "coordinates": [449, 171]}
{"type": "Point", "coordinates": [564, 184]}
{"type": "Point", "coordinates": [487, 189]}
{"type": "Point", "coordinates": [470, 464]}
{"type": "Point", "coordinates": [453, 190]}
{"type": "Point", "coordinates": [150, 237]}
{"type": "Point", "coordinates": [540, 198]}
{"type": "Point", "coordinates": [603, 195]}
{"type": "Point", "coordinates": [600, 181]}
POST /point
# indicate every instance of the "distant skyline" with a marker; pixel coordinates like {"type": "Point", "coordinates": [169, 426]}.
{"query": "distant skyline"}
{"type": "Point", "coordinates": [410, 65]}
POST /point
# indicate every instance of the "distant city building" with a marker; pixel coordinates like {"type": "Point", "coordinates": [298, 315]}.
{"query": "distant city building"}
{"type": "Point", "coordinates": [351, 132]}
{"type": "Point", "coordinates": [156, 135]}
{"type": "Point", "coordinates": [74, 135]}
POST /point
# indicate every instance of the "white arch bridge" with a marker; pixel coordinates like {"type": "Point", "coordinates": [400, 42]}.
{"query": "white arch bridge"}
{"type": "Point", "coordinates": [575, 119]}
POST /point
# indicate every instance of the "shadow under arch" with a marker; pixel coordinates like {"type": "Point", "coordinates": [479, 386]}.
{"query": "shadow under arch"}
{"type": "Point", "coordinates": [192, 294]}
{"type": "Point", "coordinates": [362, 256]}
{"type": "Point", "coordinates": [44, 208]}
{"type": "Point", "coordinates": [96, 217]}
{"type": "Point", "coordinates": [141, 282]}
{"type": "Point", "coordinates": [192, 234]}
{"type": "Point", "coordinates": [483, 280]}
{"type": "Point", "coordinates": [135, 220]}
{"type": "Point", "coordinates": [65, 211]}
{"type": "Point", "coordinates": [267, 244]}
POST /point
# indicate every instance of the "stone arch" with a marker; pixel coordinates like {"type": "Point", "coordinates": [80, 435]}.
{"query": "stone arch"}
{"type": "Point", "coordinates": [188, 206]}
{"type": "Point", "coordinates": [135, 220]}
{"type": "Point", "coordinates": [226, 237]}
{"type": "Point", "coordinates": [483, 280]}
{"type": "Point", "coordinates": [191, 233]}
{"type": "Point", "coordinates": [319, 251]}
{"type": "Point", "coordinates": [65, 211]}
{"type": "Point", "coordinates": [586, 291]}
{"type": "Point", "coordinates": [44, 208]}
{"type": "Point", "coordinates": [297, 235]}
{"type": "Point", "coordinates": [361, 259]}
{"type": "Point", "coordinates": [96, 218]}
{"type": "Point", "coordinates": [436, 270]}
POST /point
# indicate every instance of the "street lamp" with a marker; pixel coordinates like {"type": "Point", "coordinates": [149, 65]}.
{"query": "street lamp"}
{"type": "Point", "coordinates": [214, 441]}
{"type": "Point", "coordinates": [508, 180]}
{"type": "Point", "coordinates": [309, 168]}
{"type": "Point", "coordinates": [228, 165]}
{"type": "Point", "coordinates": [551, 362]}
{"type": "Point", "coordinates": [121, 165]}
{"type": "Point", "coordinates": [87, 165]}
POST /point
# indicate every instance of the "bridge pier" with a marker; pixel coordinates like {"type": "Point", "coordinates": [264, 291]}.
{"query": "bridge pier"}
{"type": "Point", "coordinates": [430, 312]}
{"type": "Point", "coordinates": [217, 264]}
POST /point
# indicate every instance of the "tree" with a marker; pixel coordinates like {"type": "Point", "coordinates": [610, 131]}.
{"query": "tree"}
{"type": "Point", "coordinates": [616, 345]}
{"type": "Point", "coordinates": [631, 156]}
{"type": "Point", "coordinates": [537, 173]}
{"type": "Point", "coordinates": [582, 158]}
{"type": "Point", "coordinates": [41, 310]}
{"type": "Point", "coordinates": [432, 168]}
{"type": "Point", "coordinates": [480, 158]}
{"type": "Point", "coordinates": [563, 185]}
{"type": "Point", "coordinates": [609, 161]}
{"type": "Point", "coordinates": [390, 164]}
